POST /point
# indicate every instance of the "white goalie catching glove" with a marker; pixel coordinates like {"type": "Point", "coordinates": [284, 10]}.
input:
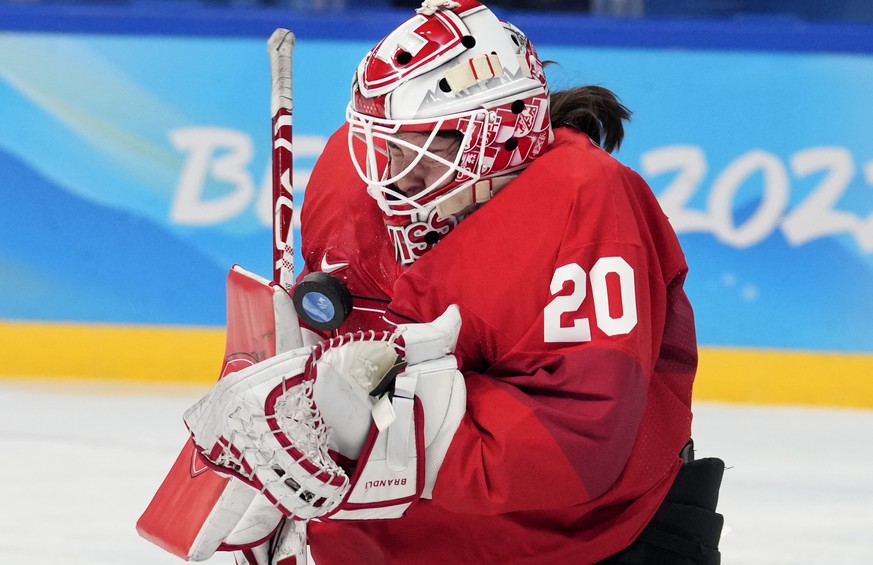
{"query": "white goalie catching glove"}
{"type": "Point", "coordinates": [341, 430]}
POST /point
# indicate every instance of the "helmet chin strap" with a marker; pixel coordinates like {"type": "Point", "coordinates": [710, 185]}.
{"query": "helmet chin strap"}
{"type": "Point", "coordinates": [477, 193]}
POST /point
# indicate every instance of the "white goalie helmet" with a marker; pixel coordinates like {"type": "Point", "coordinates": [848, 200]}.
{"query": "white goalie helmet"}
{"type": "Point", "coordinates": [453, 67]}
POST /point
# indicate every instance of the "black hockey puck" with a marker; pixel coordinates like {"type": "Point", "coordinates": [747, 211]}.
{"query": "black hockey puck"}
{"type": "Point", "coordinates": [322, 301]}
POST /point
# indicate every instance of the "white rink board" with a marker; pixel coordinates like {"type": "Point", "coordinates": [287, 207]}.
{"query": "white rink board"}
{"type": "Point", "coordinates": [81, 462]}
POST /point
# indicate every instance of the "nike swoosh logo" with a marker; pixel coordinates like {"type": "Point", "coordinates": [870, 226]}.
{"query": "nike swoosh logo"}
{"type": "Point", "coordinates": [327, 267]}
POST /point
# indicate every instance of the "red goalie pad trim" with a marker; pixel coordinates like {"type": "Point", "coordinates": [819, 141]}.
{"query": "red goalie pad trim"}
{"type": "Point", "coordinates": [190, 494]}
{"type": "Point", "coordinates": [290, 448]}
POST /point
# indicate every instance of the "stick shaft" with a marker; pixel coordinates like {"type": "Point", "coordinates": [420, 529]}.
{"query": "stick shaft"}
{"type": "Point", "coordinates": [281, 47]}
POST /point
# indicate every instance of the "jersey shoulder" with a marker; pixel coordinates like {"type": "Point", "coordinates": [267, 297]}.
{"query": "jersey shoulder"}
{"type": "Point", "coordinates": [342, 230]}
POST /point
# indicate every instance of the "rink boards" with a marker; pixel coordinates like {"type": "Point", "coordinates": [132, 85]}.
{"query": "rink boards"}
{"type": "Point", "coordinates": [193, 356]}
{"type": "Point", "coordinates": [135, 156]}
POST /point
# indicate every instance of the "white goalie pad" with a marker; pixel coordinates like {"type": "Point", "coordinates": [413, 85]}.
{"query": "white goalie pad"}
{"type": "Point", "coordinates": [424, 342]}
{"type": "Point", "coordinates": [261, 426]}
{"type": "Point", "coordinates": [258, 522]}
{"type": "Point", "coordinates": [347, 371]}
{"type": "Point", "coordinates": [400, 462]}
{"type": "Point", "coordinates": [281, 425]}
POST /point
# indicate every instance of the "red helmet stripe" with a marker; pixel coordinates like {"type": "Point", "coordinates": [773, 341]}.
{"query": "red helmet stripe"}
{"type": "Point", "coordinates": [433, 36]}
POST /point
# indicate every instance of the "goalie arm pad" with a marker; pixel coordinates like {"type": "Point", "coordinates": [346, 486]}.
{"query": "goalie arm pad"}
{"type": "Point", "coordinates": [444, 400]}
{"type": "Point", "coordinates": [407, 442]}
{"type": "Point", "coordinates": [395, 444]}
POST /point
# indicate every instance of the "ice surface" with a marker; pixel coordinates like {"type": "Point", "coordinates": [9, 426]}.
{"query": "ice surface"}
{"type": "Point", "coordinates": [80, 462]}
{"type": "Point", "coordinates": [799, 488]}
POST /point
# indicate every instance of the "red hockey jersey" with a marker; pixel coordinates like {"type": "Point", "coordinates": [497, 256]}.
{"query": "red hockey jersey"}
{"type": "Point", "coordinates": [577, 347]}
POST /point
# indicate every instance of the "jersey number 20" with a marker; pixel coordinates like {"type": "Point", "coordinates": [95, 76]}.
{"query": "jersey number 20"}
{"type": "Point", "coordinates": [580, 330]}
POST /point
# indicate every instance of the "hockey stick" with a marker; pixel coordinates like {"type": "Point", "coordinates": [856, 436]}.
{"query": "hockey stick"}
{"type": "Point", "coordinates": [322, 287]}
{"type": "Point", "coordinates": [194, 511]}
{"type": "Point", "coordinates": [280, 47]}
{"type": "Point", "coordinates": [291, 539]}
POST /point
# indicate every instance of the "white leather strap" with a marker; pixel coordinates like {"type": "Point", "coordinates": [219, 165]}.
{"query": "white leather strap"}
{"type": "Point", "coordinates": [479, 192]}
{"type": "Point", "coordinates": [399, 432]}
{"type": "Point", "coordinates": [473, 71]}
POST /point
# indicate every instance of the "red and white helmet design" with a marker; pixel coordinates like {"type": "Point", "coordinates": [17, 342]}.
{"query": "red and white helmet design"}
{"type": "Point", "coordinates": [452, 67]}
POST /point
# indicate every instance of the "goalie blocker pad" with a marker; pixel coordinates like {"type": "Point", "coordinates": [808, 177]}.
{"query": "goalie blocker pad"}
{"type": "Point", "coordinates": [411, 428]}
{"type": "Point", "coordinates": [196, 511]}
{"type": "Point", "coordinates": [379, 490]}
{"type": "Point", "coordinates": [407, 443]}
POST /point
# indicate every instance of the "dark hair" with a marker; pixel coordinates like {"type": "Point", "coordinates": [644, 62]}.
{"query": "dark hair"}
{"type": "Point", "coordinates": [593, 110]}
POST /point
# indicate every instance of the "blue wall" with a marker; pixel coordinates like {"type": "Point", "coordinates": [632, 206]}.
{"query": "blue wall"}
{"type": "Point", "coordinates": [134, 150]}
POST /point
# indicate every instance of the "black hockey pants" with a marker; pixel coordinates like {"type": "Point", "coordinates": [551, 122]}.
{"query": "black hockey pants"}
{"type": "Point", "coordinates": [686, 528]}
